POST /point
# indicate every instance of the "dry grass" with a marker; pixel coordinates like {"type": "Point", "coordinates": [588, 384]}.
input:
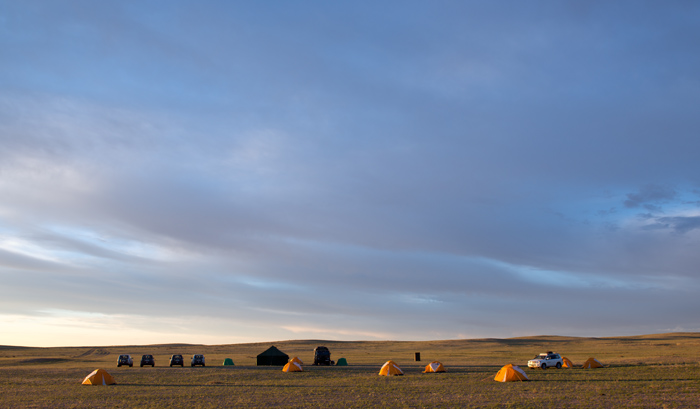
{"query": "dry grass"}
{"type": "Point", "coordinates": [647, 371]}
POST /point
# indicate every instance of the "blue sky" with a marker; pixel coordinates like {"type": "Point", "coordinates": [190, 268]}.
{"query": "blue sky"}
{"type": "Point", "coordinates": [221, 171]}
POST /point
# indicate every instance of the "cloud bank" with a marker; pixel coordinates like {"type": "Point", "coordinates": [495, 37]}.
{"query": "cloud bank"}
{"type": "Point", "coordinates": [389, 170]}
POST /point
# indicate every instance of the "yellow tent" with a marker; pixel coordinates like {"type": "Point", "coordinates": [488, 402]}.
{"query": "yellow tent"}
{"type": "Point", "coordinates": [390, 368]}
{"type": "Point", "coordinates": [99, 377]}
{"type": "Point", "coordinates": [566, 363]}
{"type": "Point", "coordinates": [592, 363]}
{"type": "Point", "coordinates": [434, 366]}
{"type": "Point", "coordinates": [510, 373]}
{"type": "Point", "coordinates": [294, 365]}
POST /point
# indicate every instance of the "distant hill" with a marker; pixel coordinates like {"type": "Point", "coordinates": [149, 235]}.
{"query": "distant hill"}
{"type": "Point", "coordinates": [624, 350]}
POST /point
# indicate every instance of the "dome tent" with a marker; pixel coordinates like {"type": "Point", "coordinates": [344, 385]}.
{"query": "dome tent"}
{"type": "Point", "coordinates": [592, 363]}
{"type": "Point", "coordinates": [434, 367]}
{"type": "Point", "coordinates": [99, 377]}
{"type": "Point", "coordinates": [294, 365]}
{"type": "Point", "coordinates": [390, 369]}
{"type": "Point", "coordinates": [511, 373]}
{"type": "Point", "coordinates": [566, 363]}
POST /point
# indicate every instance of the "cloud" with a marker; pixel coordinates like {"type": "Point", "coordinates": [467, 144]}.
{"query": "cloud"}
{"type": "Point", "coordinates": [679, 224]}
{"type": "Point", "coordinates": [403, 170]}
{"type": "Point", "coordinates": [650, 195]}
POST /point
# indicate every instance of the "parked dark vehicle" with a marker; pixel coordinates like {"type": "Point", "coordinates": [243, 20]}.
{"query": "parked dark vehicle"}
{"type": "Point", "coordinates": [148, 360]}
{"type": "Point", "coordinates": [177, 360]}
{"type": "Point", "coordinates": [198, 360]}
{"type": "Point", "coordinates": [125, 359]}
{"type": "Point", "coordinates": [322, 356]}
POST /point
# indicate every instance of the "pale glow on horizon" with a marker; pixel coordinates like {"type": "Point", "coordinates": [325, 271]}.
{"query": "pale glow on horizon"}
{"type": "Point", "coordinates": [57, 329]}
{"type": "Point", "coordinates": [331, 333]}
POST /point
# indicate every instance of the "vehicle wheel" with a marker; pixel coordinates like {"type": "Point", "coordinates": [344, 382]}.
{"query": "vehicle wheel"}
{"type": "Point", "coordinates": [558, 365]}
{"type": "Point", "coordinates": [141, 365]}
{"type": "Point", "coordinates": [544, 366]}
{"type": "Point", "coordinates": [130, 365]}
{"type": "Point", "coordinates": [119, 365]}
{"type": "Point", "coordinates": [171, 365]}
{"type": "Point", "coordinates": [203, 365]}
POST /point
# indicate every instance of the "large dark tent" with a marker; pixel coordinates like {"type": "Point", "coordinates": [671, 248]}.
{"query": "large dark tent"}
{"type": "Point", "coordinates": [273, 357]}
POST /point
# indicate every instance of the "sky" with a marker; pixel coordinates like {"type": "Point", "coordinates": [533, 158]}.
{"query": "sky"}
{"type": "Point", "coordinates": [221, 172]}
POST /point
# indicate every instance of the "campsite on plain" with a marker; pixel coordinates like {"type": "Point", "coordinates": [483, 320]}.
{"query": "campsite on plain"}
{"type": "Point", "coordinates": [660, 370]}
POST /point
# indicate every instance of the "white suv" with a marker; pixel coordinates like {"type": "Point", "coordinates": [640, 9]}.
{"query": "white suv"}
{"type": "Point", "coordinates": [545, 361]}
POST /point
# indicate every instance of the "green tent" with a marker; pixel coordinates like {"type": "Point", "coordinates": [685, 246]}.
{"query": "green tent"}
{"type": "Point", "coordinates": [228, 361]}
{"type": "Point", "coordinates": [342, 362]}
{"type": "Point", "coordinates": [273, 357]}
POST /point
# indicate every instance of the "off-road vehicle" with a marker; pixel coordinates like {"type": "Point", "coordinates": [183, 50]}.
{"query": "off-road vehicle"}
{"type": "Point", "coordinates": [125, 359]}
{"type": "Point", "coordinates": [198, 360]}
{"type": "Point", "coordinates": [322, 356]}
{"type": "Point", "coordinates": [546, 360]}
{"type": "Point", "coordinates": [148, 360]}
{"type": "Point", "coordinates": [177, 360]}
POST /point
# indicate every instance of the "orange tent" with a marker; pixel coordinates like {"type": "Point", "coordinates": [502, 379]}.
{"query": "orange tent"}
{"type": "Point", "coordinates": [592, 363]}
{"type": "Point", "coordinates": [434, 366]}
{"type": "Point", "coordinates": [566, 363]}
{"type": "Point", "coordinates": [390, 368]}
{"type": "Point", "coordinates": [294, 365]}
{"type": "Point", "coordinates": [99, 377]}
{"type": "Point", "coordinates": [511, 373]}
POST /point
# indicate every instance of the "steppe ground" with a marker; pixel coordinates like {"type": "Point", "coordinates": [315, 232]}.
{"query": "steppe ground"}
{"type": "Point", "coordinates": [655, 371]}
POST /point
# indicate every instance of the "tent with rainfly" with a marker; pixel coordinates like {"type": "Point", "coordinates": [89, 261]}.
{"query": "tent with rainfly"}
{"type": "Point", "coordinates": [566, 363]}
{"type": "Point", "coordinates": [228, 362]}
{"type": "Point", "coordinates": [342, 362]}
{"type": "Point", "coordinates": [592, 363]}
{"type": "Point", "coordinates": [99, 377]}
{"type": "Point", "coordinates": [434, 367]}
{"type": "Point", "coordinates": [511, 373]}
{"type": "Point", "coordinates": [294, 365]}
{"type": "Point", "coordinates": [390, 368]}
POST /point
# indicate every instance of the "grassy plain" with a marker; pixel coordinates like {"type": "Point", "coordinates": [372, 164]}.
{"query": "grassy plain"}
{"type": "Point", "coordinates": [659, 371]}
